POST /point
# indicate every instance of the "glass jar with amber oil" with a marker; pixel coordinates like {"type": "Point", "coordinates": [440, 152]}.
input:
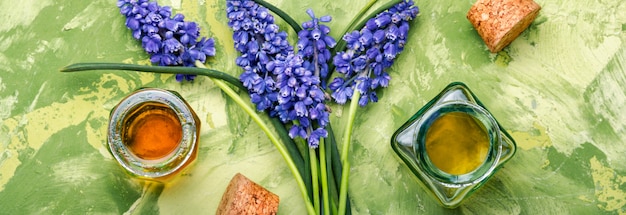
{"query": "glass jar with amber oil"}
{"type": "Point", "coordinates": [153, 134]}
{"type": "Point", "coordinates": [453, 145]}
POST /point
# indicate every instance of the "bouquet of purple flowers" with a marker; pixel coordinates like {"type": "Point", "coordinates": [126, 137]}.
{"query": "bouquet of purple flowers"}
{"type": "Point", "coordinates": [293, 85]}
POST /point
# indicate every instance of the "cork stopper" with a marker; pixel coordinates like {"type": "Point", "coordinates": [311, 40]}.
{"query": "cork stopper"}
{"type": "Point", "coordinates": [243, 196]}
{"type": "Point", "coordinates": [499, 22]}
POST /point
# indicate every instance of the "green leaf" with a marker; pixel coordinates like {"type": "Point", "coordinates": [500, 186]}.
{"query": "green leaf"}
{"type": "Point", "coordinates": [155, 69]}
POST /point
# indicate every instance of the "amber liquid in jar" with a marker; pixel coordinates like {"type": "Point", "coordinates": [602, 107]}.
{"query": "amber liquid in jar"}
{"type": "Point", "coordinates": [152, 131]}
{"type": "Point", "coordinates": [456, 143]}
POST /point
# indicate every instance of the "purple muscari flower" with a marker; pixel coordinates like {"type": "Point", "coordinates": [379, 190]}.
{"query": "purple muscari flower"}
{"type": "Point", "coordinates": [285, 84]}
{"type": "Point", "coordinates": [300, 98]}
{"type": "Point", "coordinates": [314, 44]}
{"type": "Point", "coordinates": [163, 58]}
{"type": "Point", "coordinates": [352, 40]}
{"type": "Point", "coordinates": [370, 52]}
{"type": "Point", "coordinates": [189, 32]}
{"type": "Point", "coordinates": [315, 136]}
{"type": "Point", "coordinates": [199, 51]}
{"type": "Point", "coordinates": [171, 44]}
{"type": "Point", "coordinates": [170, 41]}
{"type": "Point", "coordinates": [260, 42]}
{"type": "Point", "coordinates": [152, 44]}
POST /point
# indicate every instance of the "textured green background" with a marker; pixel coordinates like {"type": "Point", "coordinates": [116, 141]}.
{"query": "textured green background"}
{"type": "Point", "coordinates": [560, 90]}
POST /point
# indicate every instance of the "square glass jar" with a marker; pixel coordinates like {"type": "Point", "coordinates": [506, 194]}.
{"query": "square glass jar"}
{"type": "Point", "coordinates": [449, 187]}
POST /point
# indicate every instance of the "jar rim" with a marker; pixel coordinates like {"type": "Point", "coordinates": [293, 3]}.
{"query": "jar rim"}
{"type": "Point", "coordinates": [480, 115]}
{"type": "Point", "coordinates": [152, 168]}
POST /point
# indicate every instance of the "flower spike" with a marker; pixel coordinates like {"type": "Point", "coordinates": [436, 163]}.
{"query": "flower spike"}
{"type": "Point", "coordinates": [170, 41]}
{"type": "Point", "coordinates": [370, 52]}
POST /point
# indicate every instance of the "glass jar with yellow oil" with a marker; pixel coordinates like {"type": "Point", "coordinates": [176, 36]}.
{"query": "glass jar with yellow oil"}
{"type": "Point", "coordinates": [153, 134]}
{"type": "Point", "coordinates": [453, 144]}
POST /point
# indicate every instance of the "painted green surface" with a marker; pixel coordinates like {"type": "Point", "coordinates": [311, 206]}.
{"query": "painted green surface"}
{"type": "Point", "coordinates": [560, 89]}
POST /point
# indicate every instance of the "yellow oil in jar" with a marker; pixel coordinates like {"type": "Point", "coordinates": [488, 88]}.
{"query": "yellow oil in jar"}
{"type": "Point", "coordinates": [456, 143]}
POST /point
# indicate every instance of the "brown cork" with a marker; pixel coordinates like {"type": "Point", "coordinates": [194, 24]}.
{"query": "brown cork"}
{"type": "Point", "coordinates": [243, 196]}
{"type": "Point", "coordinates": [499, 22]}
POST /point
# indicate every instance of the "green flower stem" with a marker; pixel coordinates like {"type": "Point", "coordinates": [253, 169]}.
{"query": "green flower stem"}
{"type": "Point", "coordinates": [307, 165]}
{"type": "Point", "coordinates": [156, 69]}
{"type": "Point", "coordinates": [300, 159]}
{"type": "Point", "coordinates": [344, 190]}
{"type": "Point", "coordinates": [316, 186]}
{"type": "Point", "coordinates": [324, 177]}
{"type": "Point", "coordinates": [294, 25]}
{"type": "Point", "coordinates": [343, 193]}
{"type": "Point", "coordinates": [336, 169]}
{"type": "Point", "coordinates": [279, 146]}
{"type": "Point", "coordinates": [333, 188]}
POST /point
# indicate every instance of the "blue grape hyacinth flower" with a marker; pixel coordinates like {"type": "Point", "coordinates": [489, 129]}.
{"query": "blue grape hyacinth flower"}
{"type": "Point", "coordinates": [280, 81]}
{"type": "Point", "coordinates": [259, 41]}
{"type": "Point", "coordinates": [370, 52]}
{"type": "Point", "coordinates": [314, 44]}
{"type": "Point", "coordinates": [300, 99]}
{"type": "Point", "coordinates": [170, 41]}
